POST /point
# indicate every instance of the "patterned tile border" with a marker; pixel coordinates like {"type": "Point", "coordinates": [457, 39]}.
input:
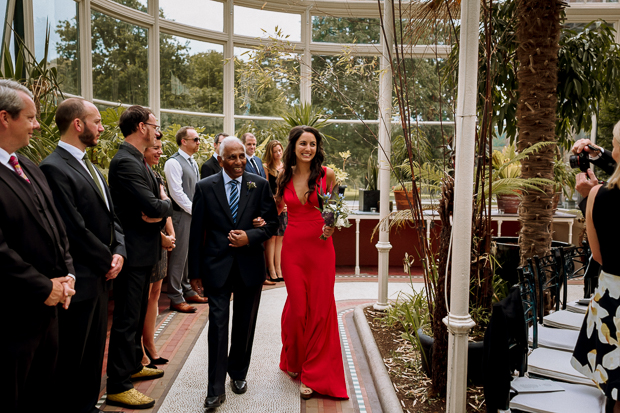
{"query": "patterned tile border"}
{"type": "Point", "coordinates": [350, 364]}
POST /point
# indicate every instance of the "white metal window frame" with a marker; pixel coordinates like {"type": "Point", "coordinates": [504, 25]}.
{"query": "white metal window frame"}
{"type": "Point", "coordinates": [577, 13]}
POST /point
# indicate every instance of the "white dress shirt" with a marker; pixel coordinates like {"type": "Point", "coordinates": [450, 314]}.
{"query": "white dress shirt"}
{"type": "Point", "coordinates": [79, 155]}
{"type": "Point", "coordinates": [174, 176]}
{"type": "Point", "coordinates": [4, 159]}
{"type": "Point", "coordinates": [227, 179]}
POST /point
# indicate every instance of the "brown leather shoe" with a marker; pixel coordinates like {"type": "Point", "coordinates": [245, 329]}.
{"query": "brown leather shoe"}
{"type": "Point", "coordinates": [183, 308]}
{"type": "Point", "coordinates": [197, 299]}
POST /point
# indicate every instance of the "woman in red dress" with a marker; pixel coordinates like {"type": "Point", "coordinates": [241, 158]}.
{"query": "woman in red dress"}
{"type": "Point", "coordinates": [310, 338]}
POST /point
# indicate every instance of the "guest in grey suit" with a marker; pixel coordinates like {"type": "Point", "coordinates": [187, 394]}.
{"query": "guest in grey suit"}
{"type": "Point", "coordinates": [253, 164]}
{"type": "Point", "coordinates": [182, 174]}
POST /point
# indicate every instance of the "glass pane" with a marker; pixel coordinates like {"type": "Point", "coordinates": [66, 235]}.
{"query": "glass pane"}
{"type": "Point", "coordinates": [431, 98]}
{"type": "Point", "coordinates": [3, 6]}
{"type": "Point", "coordinates": [426, 31]}
{"type": "Point", "coordinates": [252, 22]}
{"type": "Point", "coordinates": [345, 30]}
{"type": "Point", "coordinates": [346, 87]}
{"type": "Point", "coordinates": [428, 143]}
{"type": "Point", "coordinates": [580, 27]}
{"type": "Point", "coordinates": [120, 60]}
{"type": "Point", "coordinates": [211, 126]}
{"type": "Point", "coordinates": [60, 16]}
{"type": "Point", "coordinates": [134, 4]}
{"type": "Point", "coordinates": [210, 14]}
{"type": "Point", "coordinates": [360, 140]}
{"type": "Point", "coordinates": [264, 130]}
{"type": "Point", "coordinates": [191, 74]}
{"type": "Point", "coordinates": [266, 87]}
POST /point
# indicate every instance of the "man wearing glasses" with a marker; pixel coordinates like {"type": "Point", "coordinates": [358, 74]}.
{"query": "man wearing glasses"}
{"type": "Point", "coordinates": [182, 174]}
{"type": "Point", "coordinates": [142, 206]}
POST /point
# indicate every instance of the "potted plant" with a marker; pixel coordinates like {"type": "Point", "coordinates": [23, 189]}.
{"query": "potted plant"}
{"type": "Point", "coordinates": [369, 197]}
{"type": "Point", "coordinates": [506, 181]}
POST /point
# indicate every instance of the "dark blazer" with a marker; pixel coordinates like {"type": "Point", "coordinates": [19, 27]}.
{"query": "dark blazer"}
{"type": "Point", "coordinates": [134, 191]}
{"type": "Point", "coordinates": [261, 170]}
{"type": "Point", "coordinates": [210, 257]}
{"type": "Point", "coordinates": [29, 254]}
{"type": "Point", "coordinates": [211, 167]}
{"type": "Point", "coordinates": [94, 231]}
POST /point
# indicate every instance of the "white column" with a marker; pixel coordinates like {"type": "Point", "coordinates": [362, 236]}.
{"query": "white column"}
{"type": "Point", "coordinates": [385, 116]}
{"type": "Point", "coordinates": [85, 50]}
{"type": "Point", "coordinates": [229, 69]}
{"type": "Point", "coordinates": [305, 70]}
{"type": "Point", "coordinates": [459, 321]}
{"type": "Point", "coordinates": [154, 72]}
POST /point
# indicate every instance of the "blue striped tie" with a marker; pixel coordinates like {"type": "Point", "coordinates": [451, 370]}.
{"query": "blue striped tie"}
{"type": "Point", "coordinates": [234, 200]}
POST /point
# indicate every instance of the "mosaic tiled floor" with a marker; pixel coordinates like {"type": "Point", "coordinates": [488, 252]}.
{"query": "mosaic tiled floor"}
{"type": "Point", "coordinates": [182, 339]}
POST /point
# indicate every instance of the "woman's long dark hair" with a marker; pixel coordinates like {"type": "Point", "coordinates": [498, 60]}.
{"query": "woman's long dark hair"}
{"type": "Point", "coordinates": [290, 160]}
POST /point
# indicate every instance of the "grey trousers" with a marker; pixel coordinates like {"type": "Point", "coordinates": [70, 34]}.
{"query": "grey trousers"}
{"type": "Point", "coordinates": [178, 283]}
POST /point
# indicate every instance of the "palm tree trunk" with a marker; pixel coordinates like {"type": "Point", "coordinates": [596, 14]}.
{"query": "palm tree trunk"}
{"type": "Point", "coordinates": [538, 34]}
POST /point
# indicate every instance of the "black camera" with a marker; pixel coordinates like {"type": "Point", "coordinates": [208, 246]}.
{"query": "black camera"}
{"type": "Point", "coordinates": [582, 161]}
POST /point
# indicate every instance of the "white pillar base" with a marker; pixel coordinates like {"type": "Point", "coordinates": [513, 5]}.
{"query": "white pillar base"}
{"type": "Point", "coordinates": [458, 327]}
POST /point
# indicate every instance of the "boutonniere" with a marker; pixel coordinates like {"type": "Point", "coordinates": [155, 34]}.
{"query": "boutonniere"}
{"type": "Point", "coordinates": [251, 185]}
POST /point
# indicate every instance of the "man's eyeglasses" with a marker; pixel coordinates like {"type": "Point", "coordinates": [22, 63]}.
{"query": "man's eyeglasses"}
{"type": "Point", "coordinates": [197, 140]}
{"type": "Point", "coordinates": [157, 127]}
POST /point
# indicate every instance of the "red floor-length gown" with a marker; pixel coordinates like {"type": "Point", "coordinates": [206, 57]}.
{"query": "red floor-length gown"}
{"type": "Point", "coordinates": [310, 338]}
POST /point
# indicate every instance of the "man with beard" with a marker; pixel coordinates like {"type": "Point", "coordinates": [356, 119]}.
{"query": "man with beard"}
{"type": "Point", "coordinates": [97, 246]}
{"type": "Point", "coordinates": [142, 206]}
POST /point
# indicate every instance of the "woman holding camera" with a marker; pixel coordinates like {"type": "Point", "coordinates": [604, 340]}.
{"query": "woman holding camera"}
{"type": "Point", "coordinates": [597, 352]}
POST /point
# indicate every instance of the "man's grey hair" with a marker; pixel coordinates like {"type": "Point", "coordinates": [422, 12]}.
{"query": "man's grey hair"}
{"type": "Point", "coordinates": [9, 97]}
{"type": "Point", "coordinates": [230, 140]}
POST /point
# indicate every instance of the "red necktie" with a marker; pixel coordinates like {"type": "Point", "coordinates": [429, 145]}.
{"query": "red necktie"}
{"type": "Point", "coordinates": [15, 164]}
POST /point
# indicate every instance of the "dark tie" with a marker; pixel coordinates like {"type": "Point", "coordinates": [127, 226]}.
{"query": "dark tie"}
{"type": "Point", "coordinates": [91, 169]}
{"type": "Point", "coordinates": [255, 167]}
{"type": "Point", "coordinates": [234, 199]}
{"type": "Point", "coordinates": [18, 169]}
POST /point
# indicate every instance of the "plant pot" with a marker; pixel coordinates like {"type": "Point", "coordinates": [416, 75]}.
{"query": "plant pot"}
{"type": "Point", "coordinates": [475, 352]}
{"type": "Point", "coordinates": [369, 199]}
{"type": "Point", "coordinates": [508, 203]}
{"type": "Point", "coordinates": [400, 197]}
{"type": "Point", "coordinates": [508, 256]}
{"type": "Point", "coordinates": [341, 189]}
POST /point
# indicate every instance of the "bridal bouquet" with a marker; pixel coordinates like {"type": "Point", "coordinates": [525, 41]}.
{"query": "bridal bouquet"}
{"type": "Point", "coordinates": [335, 212]}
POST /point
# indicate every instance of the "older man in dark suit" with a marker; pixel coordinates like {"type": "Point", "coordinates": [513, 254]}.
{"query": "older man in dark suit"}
{"type": "Point", "coordinates": [34, 258]}
{"type": "Point", "coordinates": [226, 255]}
{"type": "Point", "coordinates": [83, 200]}
{"type": "Point", "coordinates": [142, 206]}
{"type": "Point", "coordinates": [212, 166]}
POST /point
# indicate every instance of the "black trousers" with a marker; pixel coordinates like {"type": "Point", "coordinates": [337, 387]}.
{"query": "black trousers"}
{"type": "Point", "coordinates": [131, 293]}
{"type": "Point", "coordinates": [82, 334]}
{"type": "Point", "coordinates": [245, 310]}
{"type": "Point", "coordinates": [29, 349]}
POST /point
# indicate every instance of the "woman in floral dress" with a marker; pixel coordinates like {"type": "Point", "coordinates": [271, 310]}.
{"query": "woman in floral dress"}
{"type": "Point", "coordinates": [597, 353]}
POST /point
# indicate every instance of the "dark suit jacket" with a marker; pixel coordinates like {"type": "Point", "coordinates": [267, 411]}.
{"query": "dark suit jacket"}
{"type": "Point", "coordinates": [211, 167]}
{"type": "Point", "coordinates": [134, 191]}
{"type": "Point", "coordinates": [210, 257]}
{"type": "Point", "coordinates": [261, 170]}
{"type": "Point", "coordinates": [94, 231]}
{"type": "Point", "coordinates": [29, 254]}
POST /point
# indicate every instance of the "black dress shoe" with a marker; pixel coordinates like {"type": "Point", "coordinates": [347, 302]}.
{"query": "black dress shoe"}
{"type": "Point", "coordinates": [213, 402]}
{"type": "Point", "coordinates": [239, 386]}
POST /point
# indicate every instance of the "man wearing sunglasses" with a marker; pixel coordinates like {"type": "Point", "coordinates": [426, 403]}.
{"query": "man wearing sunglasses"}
{"type": "Point", "coordinates": [142, 206]}
{"type": "Point", "coordinates": [182, 174]}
